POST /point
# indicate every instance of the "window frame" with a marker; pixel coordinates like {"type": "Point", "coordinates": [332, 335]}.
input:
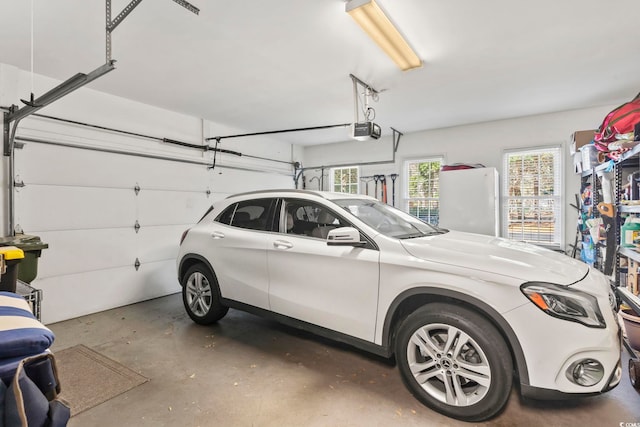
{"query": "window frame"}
{"type": "Point", "coordinates": [558, 235]}
{"type": "Point", "coordinates": [407, 199]}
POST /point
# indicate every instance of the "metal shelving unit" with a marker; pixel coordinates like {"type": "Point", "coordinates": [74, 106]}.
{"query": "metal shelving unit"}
{"type": "Point", "coordinates": [628, 160]}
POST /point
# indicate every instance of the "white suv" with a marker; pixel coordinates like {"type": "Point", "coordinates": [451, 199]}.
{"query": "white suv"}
{"type": "Point", "coordinates": [463, 314]}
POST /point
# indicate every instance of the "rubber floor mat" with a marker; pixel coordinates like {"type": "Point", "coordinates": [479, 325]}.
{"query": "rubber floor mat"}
{"type": "Point", "coordinates": [88, 378]}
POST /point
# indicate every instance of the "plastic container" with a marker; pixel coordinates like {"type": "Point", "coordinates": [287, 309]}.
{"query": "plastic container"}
{"type": "Point", "coordinates": [12, 257]}
{"type": "Point", "coordinates": [32, 247]}
{"type": "Point", "coordinates": [634, 191]}
{"type": "Point", "coordinates": [589, 154]}
{"type": "Point", "coordinates": [629, 232]}
{"type": "Point", "coordinates": [631, 327]}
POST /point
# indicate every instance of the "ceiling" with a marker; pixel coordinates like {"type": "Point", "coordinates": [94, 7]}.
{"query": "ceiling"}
{"type": "Point", "coordinates": [258, 65]}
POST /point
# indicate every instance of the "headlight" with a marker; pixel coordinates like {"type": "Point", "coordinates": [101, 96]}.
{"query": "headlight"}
{"type": "Point", "coordinates": [565, 303]}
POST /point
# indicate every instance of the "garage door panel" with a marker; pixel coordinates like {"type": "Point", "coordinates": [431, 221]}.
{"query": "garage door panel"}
{"type": "Point", "coordinates": [167, 175]}
{"type": "Point", "coordinates": [46, 164]}
{"type": "Point", "coordinates": [42, 163]}
{"type": "Point", "coordinates": [159, 243]}
{"type": "Point", "coordinates": [232, 181]}
{"type": "Point", "coordinates": [46, 207]}
{"type": "Point", "coordinates": [76, 251]}
{"type": "Point", "coordinates": [75, 295]}
{"type": "Point", "coordinates": [171, 207]}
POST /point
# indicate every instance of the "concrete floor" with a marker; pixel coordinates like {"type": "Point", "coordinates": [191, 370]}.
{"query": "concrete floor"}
{"type": "Point", "coordinates": [247, 371]}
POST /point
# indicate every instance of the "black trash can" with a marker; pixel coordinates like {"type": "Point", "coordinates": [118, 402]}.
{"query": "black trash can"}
{"type": "Point", "coordinates": [32, 247]}
{"type": "Point", "coordinates": [11, 257]}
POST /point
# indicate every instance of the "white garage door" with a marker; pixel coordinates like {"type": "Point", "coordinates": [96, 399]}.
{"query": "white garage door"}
{"type": "Point", "coordinates": [84, 204]}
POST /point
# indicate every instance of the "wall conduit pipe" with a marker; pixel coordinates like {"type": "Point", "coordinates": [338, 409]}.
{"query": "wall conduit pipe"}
{"type": "Point", "coordinates": [394, 149]}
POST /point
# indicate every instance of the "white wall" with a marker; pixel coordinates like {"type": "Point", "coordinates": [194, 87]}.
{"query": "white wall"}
{"type": "Point", "coordinates": [478, 143]}
{"type": "Point", "coordinates": [83, 204]}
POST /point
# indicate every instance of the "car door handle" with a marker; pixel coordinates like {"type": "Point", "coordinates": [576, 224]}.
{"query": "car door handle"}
{"type": "Point", "coordinates": [217, 235]}
{"type": "Point", "coordinates": [281, 244]}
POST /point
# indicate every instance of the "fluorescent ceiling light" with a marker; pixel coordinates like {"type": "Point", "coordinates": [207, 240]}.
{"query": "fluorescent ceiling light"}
{"type": "Point", "coordinates": [376, 24]}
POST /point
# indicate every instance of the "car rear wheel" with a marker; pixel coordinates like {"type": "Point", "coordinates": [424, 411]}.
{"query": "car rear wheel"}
{"type": "Point", "coordinates": [454, 361]}
{"type": "Point", "coordinates": [201, 295]}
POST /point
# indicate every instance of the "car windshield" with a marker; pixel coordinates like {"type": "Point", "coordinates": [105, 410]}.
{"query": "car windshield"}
{"type": "Point", "coordinates": [388, 220]}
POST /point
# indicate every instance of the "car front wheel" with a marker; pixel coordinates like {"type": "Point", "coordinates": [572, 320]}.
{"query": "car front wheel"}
{"type": "Point", "coordinates": [454, 361]}
{"type": "Point", "coordinates": [201, 296]}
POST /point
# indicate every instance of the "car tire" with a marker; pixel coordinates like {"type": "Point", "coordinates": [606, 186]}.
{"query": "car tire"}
{"type": "Point", "coordinates": [634, 373]}
{"type": "Point", "coordinates": [454, 361]}
{"type": "Point", "coordinates": [201, 295]}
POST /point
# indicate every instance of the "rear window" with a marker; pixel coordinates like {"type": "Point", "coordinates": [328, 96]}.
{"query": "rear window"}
{"type": "Point", "coordinates": [251, 214]}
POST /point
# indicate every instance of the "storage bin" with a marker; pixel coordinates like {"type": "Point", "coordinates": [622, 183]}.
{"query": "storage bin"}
{"type": "Point", "coordinates": [589, 156]}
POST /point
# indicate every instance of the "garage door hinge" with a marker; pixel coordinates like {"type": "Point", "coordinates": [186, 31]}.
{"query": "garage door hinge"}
{"type": "Point", "coordinates": [137, 226]}
{"type": "Point", "coordinates": [208, 192]}
{"type": "Point", "coordinates": [136, 189]}
{"type": "Point", "coordinates": [18, 183]}
{"type": "Point", "coordinates": [18, 145]}
{"type": "Point", "coordinates": [137, 264]}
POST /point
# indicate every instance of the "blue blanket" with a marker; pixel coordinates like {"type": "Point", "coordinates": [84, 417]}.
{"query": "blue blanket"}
{"type": "Point", "coordinates": [21, 334]}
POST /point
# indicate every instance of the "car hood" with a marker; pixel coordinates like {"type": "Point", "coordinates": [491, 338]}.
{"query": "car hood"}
{"type": "Point", "coordinates": [497, 256]}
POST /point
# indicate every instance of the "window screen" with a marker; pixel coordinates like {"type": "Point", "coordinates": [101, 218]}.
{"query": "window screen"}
{"type": "Point", "coordinates": [423, 189]}
{"type": "Point", "coordinates": [532, 206]}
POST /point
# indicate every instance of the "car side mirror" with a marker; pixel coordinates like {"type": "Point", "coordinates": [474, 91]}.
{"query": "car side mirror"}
{"type": "Point", "coordinates": [344, 236]}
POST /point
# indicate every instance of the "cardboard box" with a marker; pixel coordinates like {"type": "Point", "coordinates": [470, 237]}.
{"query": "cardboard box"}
{"type": "Point", "coordinates": [580, 138]}
{"type": "Point", "coordinates": [632, 276]}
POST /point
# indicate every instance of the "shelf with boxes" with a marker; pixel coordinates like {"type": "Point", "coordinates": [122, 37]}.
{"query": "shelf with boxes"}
{"type": "Point", "coordinates": [610, 213]}
{"type": "Point", "coordinates": [612, 157]}
{"type": "Point", "coordinates": [626, 192]}
{"type": "Point", "coordinates": [626, 195]}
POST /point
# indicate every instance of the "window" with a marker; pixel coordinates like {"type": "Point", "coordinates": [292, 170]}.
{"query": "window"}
{"type": "Point", "coordinates": [306, 218]}
{"type": "Point", "coordinates": [532, 207]}
{"type": "Point", "coordinates": [345, 180]}
{"type": "Point", "coordinates": [252, 214]}
{"type": "Point", "coordinates": [422, 178]}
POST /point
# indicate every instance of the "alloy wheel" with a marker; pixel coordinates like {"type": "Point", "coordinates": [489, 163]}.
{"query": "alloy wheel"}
{"type": "Point", "coordinates": [449, 365]}
{"type": "Point", "coordinates": [198, 294]}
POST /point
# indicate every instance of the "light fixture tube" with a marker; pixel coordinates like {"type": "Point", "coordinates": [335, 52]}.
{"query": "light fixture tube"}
{"type": "Point", "coordinates": [376, 24]}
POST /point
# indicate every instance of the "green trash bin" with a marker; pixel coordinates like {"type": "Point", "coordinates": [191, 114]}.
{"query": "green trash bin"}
{"type": "Point", "coordinates": [32, 247]}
